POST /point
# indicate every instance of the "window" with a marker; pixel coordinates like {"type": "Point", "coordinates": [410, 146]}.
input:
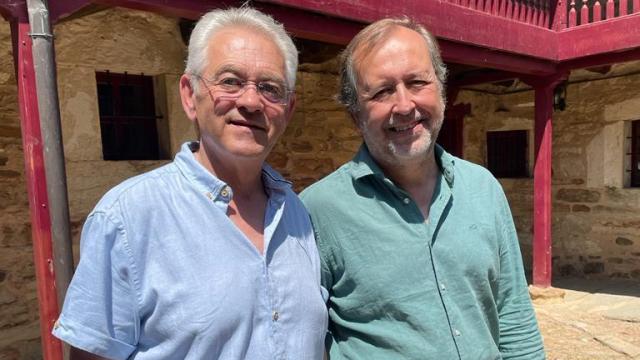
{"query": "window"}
{"type": "Point", "coordinates": [635, 153]}
{"type": "Point", "coordinates": [127, 117]}
{"type": "Point", "coordinates": [507, 153]}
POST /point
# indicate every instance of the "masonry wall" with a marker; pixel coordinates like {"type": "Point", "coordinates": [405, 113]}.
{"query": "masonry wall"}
{"type": "Point", "coordinates": [596, 217]}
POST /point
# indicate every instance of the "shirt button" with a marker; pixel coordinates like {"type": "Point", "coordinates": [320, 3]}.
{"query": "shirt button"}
{"type": "Point", "coordinates": [456, 332]}
{"type": "Point", "coordinates": [275, 316]}
{"type": "Point", "coordinates": [225, 191]}
{"type": "Point", "coordinates": [406, 200]}
{"type": "Point", "coordinates": [442, 287]}
{"type": "Point", "coordinates": [56, 324]}
{"type": "Point", "coordinates": [210, 196]}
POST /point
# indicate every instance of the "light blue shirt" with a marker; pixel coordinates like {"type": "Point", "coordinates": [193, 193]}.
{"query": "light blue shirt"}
{"type": "Point", "coordinates": [165, 274]}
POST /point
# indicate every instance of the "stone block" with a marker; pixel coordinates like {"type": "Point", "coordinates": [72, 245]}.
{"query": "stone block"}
{"type": "Point", "coordinates": [615, 260]}
{"type": "Point", "coordinates": [623, 241]}
{"type": "Point", "coordinates": [578, 195]}
{"type": "Point", "coordinates": [593, 268]}
{"type": "Point", "coordinates": [580, 208]}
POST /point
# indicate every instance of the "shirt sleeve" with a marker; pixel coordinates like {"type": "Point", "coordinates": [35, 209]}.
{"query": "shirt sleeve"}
{"type": "Point", "coordinates": [100, 309]}
{"type": "Point", "coordinates": [519, 334]}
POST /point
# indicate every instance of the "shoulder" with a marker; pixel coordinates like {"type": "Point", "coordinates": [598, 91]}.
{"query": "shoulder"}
{"type": "Point", "coordinates": [325, 191]}
{"type": "Point", "coordinates": [140, 189]}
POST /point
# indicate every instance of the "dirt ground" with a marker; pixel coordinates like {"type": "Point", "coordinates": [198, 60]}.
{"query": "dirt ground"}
{"type": "Point", "coordinates": [594, 319]}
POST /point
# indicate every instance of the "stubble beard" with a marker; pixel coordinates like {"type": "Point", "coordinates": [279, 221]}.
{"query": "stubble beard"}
{"type": "Point", "coordinates": [393, 154]}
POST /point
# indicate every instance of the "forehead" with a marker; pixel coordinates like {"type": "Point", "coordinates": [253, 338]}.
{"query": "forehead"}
{"type": "Point", "coordinates": [399, 52]}
{"type": "Point", "coordinates": [246, 48]}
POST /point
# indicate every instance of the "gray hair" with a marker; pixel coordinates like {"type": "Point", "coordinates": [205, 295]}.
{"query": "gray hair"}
{"type": "Point", "coordinates": [244, 16]}
{"type": "Point", "coordinates": [368, 38]}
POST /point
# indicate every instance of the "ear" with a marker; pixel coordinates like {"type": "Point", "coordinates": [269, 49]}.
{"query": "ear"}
{"type": "Point", "coordinates": [187, 96]}
{"type": "Point", "coordinates": [291, 107]}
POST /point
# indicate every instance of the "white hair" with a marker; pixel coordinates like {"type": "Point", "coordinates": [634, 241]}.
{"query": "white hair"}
{"type": "Point", "coordinates": [245, 16]}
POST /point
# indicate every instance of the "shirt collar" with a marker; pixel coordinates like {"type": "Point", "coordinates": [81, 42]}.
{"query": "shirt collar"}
{"type": "Point", "coordinates": [209, 183]}
{"type": "Point", "coordinates": [365, 165]}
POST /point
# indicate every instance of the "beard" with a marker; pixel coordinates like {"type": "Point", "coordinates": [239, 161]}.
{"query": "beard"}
{"type": "Point", "coordinates": [392, 152]}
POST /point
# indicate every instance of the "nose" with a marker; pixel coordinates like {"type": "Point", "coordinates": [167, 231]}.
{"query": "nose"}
{"type": "Point", "coordinates": [250, 99]}
{"type": "Point", "coordinates": [403, 102]}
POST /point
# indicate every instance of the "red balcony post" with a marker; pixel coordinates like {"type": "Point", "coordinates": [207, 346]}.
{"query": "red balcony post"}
{"type": "Point", "coordinates": [584, 13]}
{"type": "Point", "coordinates": [560, 15]}
{"type": "Point", "coordinates": [597, 11]}
{"type": "Point", "coordinates": [623, 7]}
{"type": "Point", "coordinates": [573, 21]}
{"type": "Point", "coordinates": [636, 6]}
{"type": "Point", "coordinates": [610, 9]}
{"type": "Point", "coordinates": [36, 188]}
{"type": "Point", "coordinates": [544, 88]}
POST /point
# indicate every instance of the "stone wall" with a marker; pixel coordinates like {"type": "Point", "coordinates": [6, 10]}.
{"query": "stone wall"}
{"type": "Point", "coordinates": [596, 224]}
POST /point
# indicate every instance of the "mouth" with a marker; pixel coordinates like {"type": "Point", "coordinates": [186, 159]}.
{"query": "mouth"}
{"type": "Point", "coordinates": [405, 127]}
{"type": "Point", "coordinates": [245, 123]}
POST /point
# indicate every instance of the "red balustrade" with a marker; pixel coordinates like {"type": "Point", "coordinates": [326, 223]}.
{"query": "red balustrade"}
{"type": "Point", "coordinates": [581, 12]}
{"type": "Point", "coordinates": [540, 13]}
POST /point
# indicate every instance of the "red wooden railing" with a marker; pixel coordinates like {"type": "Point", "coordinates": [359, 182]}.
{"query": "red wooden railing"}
{"type": "Point", "coordinates": [534, 12]}
{"type": "Point", "coordinates": [581, 12]}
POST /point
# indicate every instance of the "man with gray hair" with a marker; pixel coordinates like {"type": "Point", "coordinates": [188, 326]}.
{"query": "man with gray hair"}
{"type": "Point", "coordinates": [211, 256]}
{"type": "Point", "coordinates": [418, 248]}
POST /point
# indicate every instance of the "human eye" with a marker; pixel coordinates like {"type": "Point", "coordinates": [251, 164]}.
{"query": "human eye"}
{"type": "Point", "coordinates": [230, 82]}
{"type": "Point", "coordinates": [382, 94]}
{"type": "Point", "coordinates": [272, 90]}
{"type": "Point", "coordinates": [418, 83]}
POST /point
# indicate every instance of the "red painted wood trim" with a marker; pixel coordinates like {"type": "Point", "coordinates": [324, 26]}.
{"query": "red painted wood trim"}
{"type": "Point", "coordinates": [488, 31]}
{"type": "Point", "coordinates": [623, 7]}
{"type": "Point", "coordinates": [600, 60]}
{"type": "Point", "coordinates": [611, 36]}
{"type": "Point", "coordinates": [542, 204]}
{"type": "Point", "coordinates": [597, 11]}
{"type": "Point", "coordinates": [37, 192]}
{"type": "Point", "coordinates": [610, 9]}
{"type": "Point", "coordinates": [542, 187]}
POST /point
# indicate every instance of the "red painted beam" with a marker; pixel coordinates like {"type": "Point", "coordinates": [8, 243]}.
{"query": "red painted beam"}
{"type": "Point", "coordinates": [487, 58]}
{"type": "Point", "coordinates": [36, 190]}
{"type": "Point", "coordinates": [473, 78]}
{"type": "Point", "coordinates": [446, 21]}
{"type": "Point", "coordinates": [610, 36]}
{"type": "Point", "coordinates": [13, 9]}
{"type": "Point", "coordinates": [600, 60]}
{"type": "Point", "coordinates": [58, 10]}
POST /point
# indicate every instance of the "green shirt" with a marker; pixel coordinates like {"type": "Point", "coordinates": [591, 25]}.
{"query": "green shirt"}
{"type": "Point", "coordinates": [401, 287]}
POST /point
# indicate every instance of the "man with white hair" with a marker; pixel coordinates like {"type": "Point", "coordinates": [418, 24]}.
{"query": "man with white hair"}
{"type": "Point", "coordinates": [211, 256]}
{"type": "Point", "coordinates": [418, 248]}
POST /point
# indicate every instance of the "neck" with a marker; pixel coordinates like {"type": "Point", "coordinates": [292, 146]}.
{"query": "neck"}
{"type": "Point", "coordinates": [418, 177]}
{"type": "Point", "coordinates": [243, 175]}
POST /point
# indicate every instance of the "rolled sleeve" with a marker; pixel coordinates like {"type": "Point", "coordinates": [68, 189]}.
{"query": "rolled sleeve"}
{"type": "Point", "coordinates": [519, 334]}
{"type": "Point", "coordinates": [100, 310]}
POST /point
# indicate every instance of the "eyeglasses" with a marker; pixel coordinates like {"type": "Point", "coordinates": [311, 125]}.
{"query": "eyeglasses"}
{"type": "Point", "coordinates": [233, 87]}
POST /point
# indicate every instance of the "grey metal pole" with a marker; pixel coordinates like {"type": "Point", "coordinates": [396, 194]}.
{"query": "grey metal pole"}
{"type": "Point", "coordinates": [46, 87]}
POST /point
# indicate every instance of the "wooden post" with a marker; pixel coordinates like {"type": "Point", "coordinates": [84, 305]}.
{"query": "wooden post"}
{"type": "Point", "coordinates": [36, 189]}
{"type": "Point", "coordinates": [543, 134]}
{"type": "Point", "coordinates": [597, 11]}
{"type": "Point", "coordinates": [573, 15]}
{"type": "Point", "coordinates": [610, 9]}
{"type": "Point", "coordinates": [584, 13]}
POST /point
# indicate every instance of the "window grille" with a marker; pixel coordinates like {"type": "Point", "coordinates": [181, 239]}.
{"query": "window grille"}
{"type": "Point", "coordinates": [127, 116]}
{"type": "Point", "coordinates": [507, 153]}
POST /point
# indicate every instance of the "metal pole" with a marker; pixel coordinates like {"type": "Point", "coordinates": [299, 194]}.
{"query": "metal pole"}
{"type": "Point", "coordinates": [47, 91]}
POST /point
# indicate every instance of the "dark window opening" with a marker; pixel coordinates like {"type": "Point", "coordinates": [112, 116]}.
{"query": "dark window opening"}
{"type": "Point", "coordinates": [127, 117]}
{"type": "Point", "coordinates": [635, 153]}
{"type": "Point", "coordinates": [507, 153]}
